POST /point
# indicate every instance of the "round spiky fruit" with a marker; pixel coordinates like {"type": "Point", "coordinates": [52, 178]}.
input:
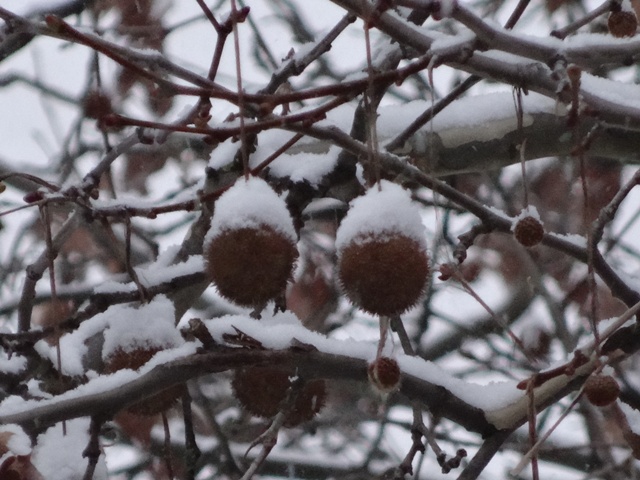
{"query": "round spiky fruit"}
{"type": "Point", "coordinates": [384, 374]}
{"type": "Point", "coordinates": [622, 23]}
{"type": "Point", "coordinates": [601, 390]}
{"type": "Point", "coordinates": [528, 230]}
{"type": "Point", "coordinates": [250, 266]}
{"type": "Point", "coordinates": [250, 251]}
{"type": "Point", "coordinates": [134, 359]}
{"type": "Point", "coordinates": [133, 337]}
{"type": "Point", "coordinates": [263, 390]}
{"type": "Point", "coordinates": [383, 264]}
{"type": "Point", "coordinates": [384, 275]}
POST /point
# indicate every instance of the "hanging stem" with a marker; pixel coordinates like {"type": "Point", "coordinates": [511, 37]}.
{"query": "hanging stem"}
{"type": "Point", "coordinates": [236, 48]}
{"type": "Point", "coordinates": [372, 137]}
{"type": "Point", "coordinates": [517, 93]}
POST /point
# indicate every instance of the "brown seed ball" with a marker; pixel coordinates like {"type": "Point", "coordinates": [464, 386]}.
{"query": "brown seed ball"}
{"type": "Point", "coordinates": [262, 391]}
{"type": "Point", "coordinates": [601, 390]}
{"type": "Point", "coordinates": [384, 374]}
{"type": "Point", "coordinates": [384, 275]}
{"type": "Point", "coordinates": [622, 24]}
{"type": "Point", "coordinates": [250, 266]}
{"type": "Point", "coordinates": [310, 400]}
{"type": "Point", "coordinates": [134, 359]}
{"type": "Point", "coordinates": [250, 249]}
{"type": "Point", "coordinates": [528, 231]}
{"type": "Point", "coordinates": [383, 264]}
{"type": "Point", "coordinates": [96, 104]}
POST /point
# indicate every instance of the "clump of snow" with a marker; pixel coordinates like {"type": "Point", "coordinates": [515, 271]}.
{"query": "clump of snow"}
{"type": "Point", "coordinates": [498, 212]}
{"type": "Point", "coordinates": [618, 93]}
{"type": "Point", "coordinates": [633, 417]}
{"type": "Point", "coordinates": [340, 117]}
{"type": "Point", "coordinates": [148, 326]}
{"type": "Point", "coordinates": [223, 155]}
{"type": "Point", "coordinates": [12, 364]}
{"type": "Point", "coordinates": [74, 346]}
{"type": "Point", "coordinates": [312, 167]}
{"type": "Point", "coordinates": [155, 273]}
{"type": "Point", "coordinates": [16, 441]}
{"type": "Point", "coordinates": [278, 331]}
{"type": "Point", "coordinates": [492, 396]}
{"type": "Point", "coordinates": [483, 118]}
{"type": "Point", "coordinates": [577, 240]}
{"type": "Point", "coordinates": [384, 210]}
{"type": "Point", "coordinates": [124, 326]}
{"type": "Point", "coordinates": [626, 6]}
{"type": "Point", "coordinates": [58, 456]}
{"type": "Point", "coordinates": [127, 199]}
{"type": "Point", "coordinates": [302, 161]}
{"type": "Point", "coordinates": [250, 204]}
{"type": "Point", "coordinates": [488, 115]}
{"type": "Point", "coordinates": [529, 211]}
{"type": "Point", "coordinates": [280, 318]}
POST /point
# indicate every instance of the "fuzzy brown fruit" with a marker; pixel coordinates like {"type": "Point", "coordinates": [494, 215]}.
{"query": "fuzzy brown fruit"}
{"type": "Point", "coordinates": [250, 249]}
{"type": "Point", "coordinates": [262, 391]}
{"type": "Point", "coordinates": [528, 231]}
{"type": "Point", "coordinates": [134, 359]}
{"type": "Point", "coordinates": [384, 275]}
{"type": "Point", "coordinates": [601, 390]}
{"type": "Point", "coordinates": [250, 266]}
{"type": "Point", "coordinates": [96, 104]}
{"type": "Point", "coordinates": [622, 24]}
{"type": "Point", "coordinates": [384, 374]}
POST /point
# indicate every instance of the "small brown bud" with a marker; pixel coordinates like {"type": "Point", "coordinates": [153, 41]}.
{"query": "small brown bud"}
{"type": "Point", "coordinates": [33, 197]}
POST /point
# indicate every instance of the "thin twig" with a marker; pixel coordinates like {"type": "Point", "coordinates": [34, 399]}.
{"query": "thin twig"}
{"type": "Point", "coordinates": [481, 459]}
{"type": "Point", "coordinates": [190, 444]}
{"type": "Point", "coordinates": [532, 429]}
{"type": "Point", "coordinates": [144, 295]}
{"type": "Point", "coordinates": [260, 41]}
{"type": "Point", "coordinates": [209, 14]}
{"type": "Point", "coordinates": [37, 269]}
{"type": "Point", "coordinates": [269, 438]}
{"type": "Point", "coordinates": [244, 148]}
{"type": "Point", "coordinates": [591, 16]}
{"type": "Point", "coordinates": [167, 446]}
{"type": "Point", "coordinates": [92, 450]}
{"type": "Point", "coordinates": [271, 158]}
